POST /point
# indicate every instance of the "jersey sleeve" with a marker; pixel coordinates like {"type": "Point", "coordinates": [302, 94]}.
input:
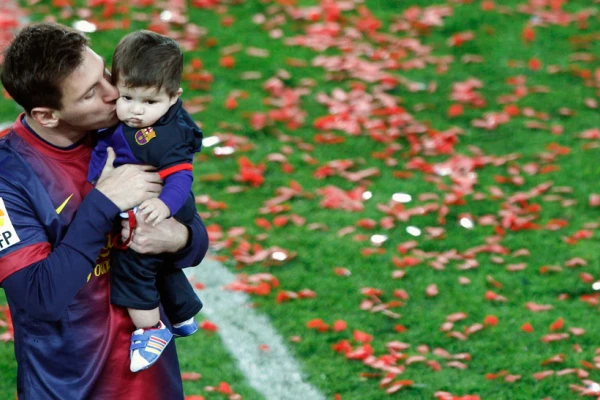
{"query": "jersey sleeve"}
{"type": "Point", "coordinates": [43, 286]}
{"type": "Point", "coordinates": [189, 142]}
{"type": "Point", "coordinates": [98, 158]}
{"type": "Point", "coordinates": [23, 239]}
{"type": "Point", "coordinates": [176, 190]}
{"type": "Point", "coordinates": [180, 148]}
{"type": "Point", "coordinates": [196, 247]}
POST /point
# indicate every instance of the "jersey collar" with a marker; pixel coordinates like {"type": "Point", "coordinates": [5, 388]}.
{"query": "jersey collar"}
{"type": "Point", "coordinates": [74, 151]}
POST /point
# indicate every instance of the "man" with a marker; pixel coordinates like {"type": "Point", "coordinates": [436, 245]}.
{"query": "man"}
{"type": "Point", "coordinates": [56, 230]}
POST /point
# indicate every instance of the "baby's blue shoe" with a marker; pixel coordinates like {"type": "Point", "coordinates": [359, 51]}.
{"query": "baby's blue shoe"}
{"type": "Point", "coordinates": [147, 345]}
{"type": "Point", "coordinates": [185, 328]}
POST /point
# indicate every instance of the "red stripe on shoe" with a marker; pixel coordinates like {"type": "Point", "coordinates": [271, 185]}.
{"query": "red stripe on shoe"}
{"type": "Point", "coordinates": [159, 340]}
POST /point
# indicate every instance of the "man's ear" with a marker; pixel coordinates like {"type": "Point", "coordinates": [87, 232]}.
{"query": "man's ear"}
{"type": "Point", "coordinates": [44, 116]}
{"type": "Point", "coordinates": [174, 98]}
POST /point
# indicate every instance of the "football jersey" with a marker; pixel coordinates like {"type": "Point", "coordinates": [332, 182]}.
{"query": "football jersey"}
{"type": "Point", "coordinates": [83, 353]}
{"type": "Point", "coordinates": [169, 145]}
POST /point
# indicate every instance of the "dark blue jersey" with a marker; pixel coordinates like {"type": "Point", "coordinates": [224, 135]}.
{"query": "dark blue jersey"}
{"type": "Point", "coordinates": [169, 145]}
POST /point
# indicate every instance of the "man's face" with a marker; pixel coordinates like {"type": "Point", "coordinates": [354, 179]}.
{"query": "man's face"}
{"type": "Point", "coordinates": [140, 107]}
{"type": "Point", "coordinates": [88, 97]}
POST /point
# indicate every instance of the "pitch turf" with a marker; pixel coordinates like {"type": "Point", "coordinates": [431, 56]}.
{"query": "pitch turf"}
{"type": "Point", "coordinates": [474, 109]}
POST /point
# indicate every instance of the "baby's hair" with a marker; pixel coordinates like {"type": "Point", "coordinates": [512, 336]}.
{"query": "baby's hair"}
{"type": "Point", "coordinates": [148, 59]}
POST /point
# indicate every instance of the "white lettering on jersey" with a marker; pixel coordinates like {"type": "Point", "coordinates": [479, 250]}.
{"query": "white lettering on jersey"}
{"type": "Point", "coordinates": [8, 235]}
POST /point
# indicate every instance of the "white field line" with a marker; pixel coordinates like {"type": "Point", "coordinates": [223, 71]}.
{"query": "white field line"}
{"type": "Point", "coordinates": [274, 373]}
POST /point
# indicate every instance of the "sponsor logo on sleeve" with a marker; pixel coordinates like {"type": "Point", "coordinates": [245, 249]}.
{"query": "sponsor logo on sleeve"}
{"type": "Point", "coordinates": [8, 235]}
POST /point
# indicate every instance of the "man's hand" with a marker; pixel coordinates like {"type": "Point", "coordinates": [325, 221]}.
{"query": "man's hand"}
{"type": "Point", "coordinates": [128, 185]}
{"type": "Point", "coordinates": [170, 236]}
{"type": "Point", "coordinates": [155, 211]}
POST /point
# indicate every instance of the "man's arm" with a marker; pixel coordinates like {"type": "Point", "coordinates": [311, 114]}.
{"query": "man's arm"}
{"type": "Point", "coordinates": [44, 288]}
{"type": "Point", "coordinates": [43, 284]}
{"type": "Point", "coordinates": [196, 246]}
{"type": "Point", "coordinates": [187, 244]}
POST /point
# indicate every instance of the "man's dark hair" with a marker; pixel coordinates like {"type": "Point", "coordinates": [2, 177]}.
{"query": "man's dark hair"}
{"type": "Point", "coordinates": [37, 62]}
{"type": "Point", "coordinates": [148, 59]}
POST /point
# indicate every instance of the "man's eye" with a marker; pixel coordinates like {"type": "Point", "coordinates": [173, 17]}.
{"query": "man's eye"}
{"type": "Point", "coordinates": [90, 94]}
{"type": "Point", "coordinates": [151, 102]}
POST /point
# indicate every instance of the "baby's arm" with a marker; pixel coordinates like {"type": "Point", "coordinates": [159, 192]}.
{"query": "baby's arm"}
{"type": "Point", "coordinates": [172, 152]}
{"type": "Point", "coordinates": [156, 211]}
{"type": "Point", "coordinates": [173, 196]}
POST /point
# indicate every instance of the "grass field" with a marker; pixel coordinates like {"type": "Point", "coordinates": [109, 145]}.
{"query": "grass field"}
{"type": "Point", "coordinates": [479, 282]}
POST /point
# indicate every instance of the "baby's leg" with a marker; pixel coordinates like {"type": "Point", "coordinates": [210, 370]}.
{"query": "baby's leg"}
{"type": "Point", "coordinates": [179, 300]}
{"type": "Point", "coordinates": [133, 286]}
{"type": "Point", "coordinates": [144, 319]}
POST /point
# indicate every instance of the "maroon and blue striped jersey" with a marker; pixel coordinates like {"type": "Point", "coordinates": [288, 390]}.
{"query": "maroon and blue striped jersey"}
{"type": "Point", "coordinates": [55, 243]}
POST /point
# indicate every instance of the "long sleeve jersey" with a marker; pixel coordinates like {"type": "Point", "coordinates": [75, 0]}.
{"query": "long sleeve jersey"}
{"type": "Point", "coordinates": [56, 237]}
{"type": "Point", "coordinates": [169, 145]}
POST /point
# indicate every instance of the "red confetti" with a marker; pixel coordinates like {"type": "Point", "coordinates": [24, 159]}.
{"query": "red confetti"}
{"type": "Point", "coordinates": [208, 326]}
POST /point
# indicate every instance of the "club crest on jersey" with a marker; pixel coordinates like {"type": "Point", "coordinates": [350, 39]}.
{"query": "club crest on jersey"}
{"type": "Point", "coordinates": [8, 235]}
{"type": "Point", "coordinates": [143, 136]}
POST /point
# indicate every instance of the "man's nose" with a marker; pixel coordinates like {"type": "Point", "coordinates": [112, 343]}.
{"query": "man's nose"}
{"type": "Point", "coordinates": [111, 93]}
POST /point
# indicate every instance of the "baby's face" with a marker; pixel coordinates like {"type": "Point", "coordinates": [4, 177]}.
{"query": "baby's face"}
{"type": "Point", "coordinates": [140, 107]}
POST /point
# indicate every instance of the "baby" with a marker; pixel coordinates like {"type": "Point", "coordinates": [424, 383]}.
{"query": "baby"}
{"type": "Point", "coordinates": [157, 131]}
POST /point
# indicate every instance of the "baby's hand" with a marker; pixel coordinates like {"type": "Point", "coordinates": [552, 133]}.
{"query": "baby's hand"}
{"type": "Point", "coordinates": [156, 211]}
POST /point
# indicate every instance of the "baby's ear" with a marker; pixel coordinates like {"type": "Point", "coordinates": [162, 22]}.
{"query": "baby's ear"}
{"type": "Point", "coordinates": [173, 99]}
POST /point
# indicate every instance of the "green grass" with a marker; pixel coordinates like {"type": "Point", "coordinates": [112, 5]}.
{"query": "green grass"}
{"type": "Point", "coordinates": [503, 347]}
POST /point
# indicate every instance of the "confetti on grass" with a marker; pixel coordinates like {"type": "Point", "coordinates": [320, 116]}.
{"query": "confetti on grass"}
{"type": "Point", "coordinates": [430, 169]}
